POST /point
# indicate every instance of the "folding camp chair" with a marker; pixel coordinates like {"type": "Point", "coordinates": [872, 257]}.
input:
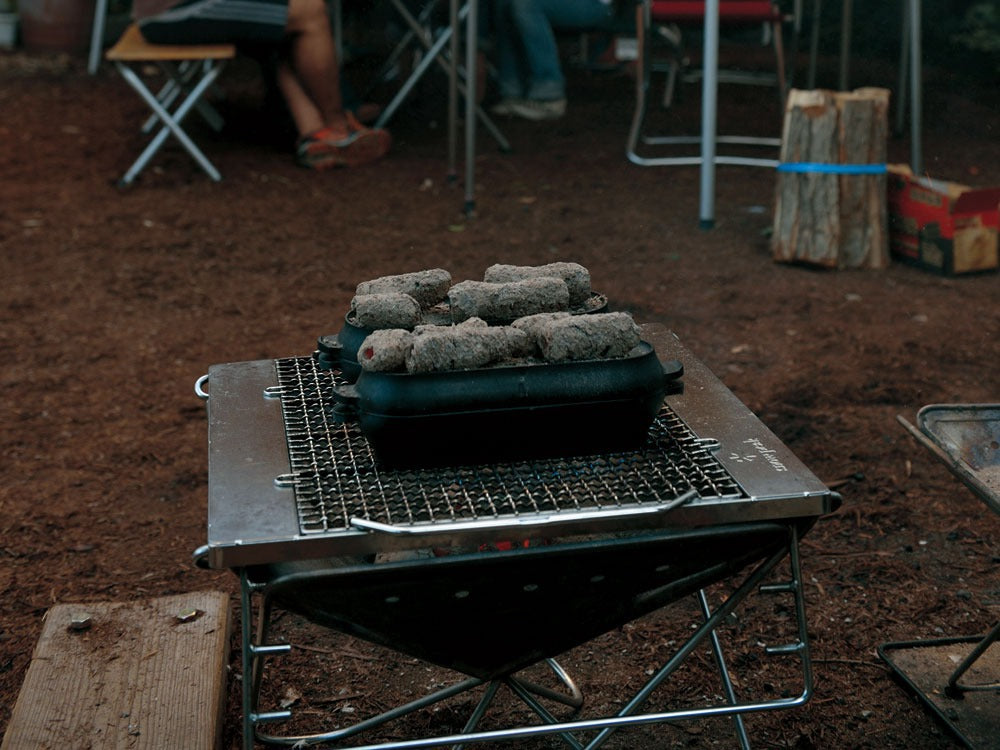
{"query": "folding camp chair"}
{"type": "Point", "coordinates": [653, 17]}
{"type": "Point", "coordinates": [191, 70]}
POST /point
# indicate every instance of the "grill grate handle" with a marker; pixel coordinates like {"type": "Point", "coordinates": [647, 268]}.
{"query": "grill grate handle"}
{"type": "Point", "coordinates": [592, 515]}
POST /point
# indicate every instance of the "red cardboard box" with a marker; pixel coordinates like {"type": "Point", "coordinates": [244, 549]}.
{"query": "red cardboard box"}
{"type": "Point", "coordinates": [942, 226]}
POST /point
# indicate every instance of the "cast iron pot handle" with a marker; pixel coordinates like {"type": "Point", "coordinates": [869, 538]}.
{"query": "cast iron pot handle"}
{"type": "Point", "coordinates": [200, 557]}
{"type": "Point", "coordinates": [329, 344]}
{"type": "Point", "coordinates": [199, 387]}
{"type": "Point", "coordinates": [672, 368]}
{"type": "Point", "coordinates": [346, 408]}
{"type": "Point", "coordinates": [672, 371]}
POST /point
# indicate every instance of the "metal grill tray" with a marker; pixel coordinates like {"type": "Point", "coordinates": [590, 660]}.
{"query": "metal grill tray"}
{"type": "Point", "coordinates": [957, 678]}
{"type": "Point", "coordinates": [286, 483]}
{"type": "Point", "coordinates": [967, 440]}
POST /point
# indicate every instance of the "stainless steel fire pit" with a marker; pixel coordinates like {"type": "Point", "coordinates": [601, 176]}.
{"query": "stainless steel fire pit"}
{"type": "Point", "coordinates": [958, 678]}
{"type": "Point", "coordinates": [301, 508]}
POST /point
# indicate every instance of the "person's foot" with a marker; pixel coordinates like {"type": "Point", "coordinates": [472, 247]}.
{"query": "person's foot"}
{"type": "Point", "coordinates": [502, 108]}
{"type": "Point", "coordinates": [351, 147]}
{"type": "Point", "coordinates": [532, 109]}
{"type": "Point", "coordinates": [367, 112]}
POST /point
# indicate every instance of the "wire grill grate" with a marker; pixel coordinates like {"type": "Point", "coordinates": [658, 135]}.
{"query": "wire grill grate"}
{"type": "Point", "coordinates": [334, 475]}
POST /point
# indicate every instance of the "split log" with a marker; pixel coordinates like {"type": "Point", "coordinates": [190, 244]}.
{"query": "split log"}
{"type": "Point", "coordinates": [825, 218]}
{"type": "Point", "coordinates": [864, 223]}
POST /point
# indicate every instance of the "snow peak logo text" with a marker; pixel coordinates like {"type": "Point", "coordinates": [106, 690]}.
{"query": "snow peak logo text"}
{"type": "Point", "coordinates": [768, 454]}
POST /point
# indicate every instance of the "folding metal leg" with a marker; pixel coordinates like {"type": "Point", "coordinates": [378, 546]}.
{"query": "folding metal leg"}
{"type": "Point", "coordinates": [97, 36]}
{"type": "Point", "coordinates": [386, 72]}
{"type": "Point", "coordinates": [966, 706]}
{"type": "Point", "coordinates": [527, 692]}
{"type": "Point", "coordinates": [434, 53]}
{"type": "Point", "coordinates": [179, 79]}
{"type": "Point", "coordinates": [799, 647]}
{"type": "Point", "coordinates": [727, 683]}
{"type": "Point", "coordinates": [253, 651]}
{"type": "Point", "coordinates": [630, 714]}
{"type": "Point", "coordinates": [206, 72]}
{"type": "Point", "coordinates": [636, 135]}
{"type": "Point", "coordinates": [255, 648]}
{"type": "Point", "coordinates": [251, 654]}
{"type": "Point", "coordinates": [957, 688]}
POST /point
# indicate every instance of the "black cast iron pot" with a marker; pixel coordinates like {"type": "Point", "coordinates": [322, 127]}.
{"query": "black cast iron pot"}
{"type": "Point", "coordinates": [511, 412]}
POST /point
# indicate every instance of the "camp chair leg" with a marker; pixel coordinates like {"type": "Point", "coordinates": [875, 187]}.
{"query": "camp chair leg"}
{"type": "Point", "coordinates": [435, 54]}
{"type": "Point", "coordinates": [179, 81]}
{"type": "Point", "coordinates": [636, 135]}
{"type": "Point", "coordinates": [171, 122]}
{"type": "Point", "coordinates": [779, 55]}
{"type": "Point", "coordinates": [97, 36]}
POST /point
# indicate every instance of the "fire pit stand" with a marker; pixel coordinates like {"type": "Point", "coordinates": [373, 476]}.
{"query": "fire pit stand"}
{"type": "Point", "coordinates": [958, 678]}
{"type": "Point", "coordinates": [533, 557]}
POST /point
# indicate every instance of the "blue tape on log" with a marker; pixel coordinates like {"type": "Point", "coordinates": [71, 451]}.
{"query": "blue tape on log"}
{"type": "Point", "coordinates": [811, 166]}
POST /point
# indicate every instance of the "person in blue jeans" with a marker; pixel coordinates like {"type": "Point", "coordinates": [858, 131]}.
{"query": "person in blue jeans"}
{"type": "Point", "coordinates": [529, 72]}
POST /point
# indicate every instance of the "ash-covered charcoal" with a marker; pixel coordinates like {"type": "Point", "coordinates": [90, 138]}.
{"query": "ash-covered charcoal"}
{"type": "Point", "coordinates": [385, 350]}
{"type": "Point", "coordinates": [386, 310]}
{"type": "Point", "coordinates": [503, 303]}
{"type": "Point", "coordinates": [599, 336]}
{"type": "Point", "coordinates": [426, 287]}
{"type": "Point", "coordinates": [534, 324]}
{"type": "Point", "coordinates": [465, 347]}
{"type": "Point", "coordinates": [577, 277]}
{"type": "Point", "coordinates": [469, 323]}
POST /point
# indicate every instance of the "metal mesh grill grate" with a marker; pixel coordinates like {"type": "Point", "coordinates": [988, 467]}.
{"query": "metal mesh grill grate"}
{"type": "Point", "coordinates": [335, 478]}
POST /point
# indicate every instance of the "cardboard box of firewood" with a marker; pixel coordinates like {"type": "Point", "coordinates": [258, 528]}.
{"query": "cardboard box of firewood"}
{"type": "Point", "coordinates": [942, 226]}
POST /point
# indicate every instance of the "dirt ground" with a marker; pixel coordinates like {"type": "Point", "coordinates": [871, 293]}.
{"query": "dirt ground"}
{"type": "Point", "coordinates": [116, 301]}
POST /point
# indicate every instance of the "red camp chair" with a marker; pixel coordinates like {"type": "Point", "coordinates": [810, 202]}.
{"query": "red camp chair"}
{"type": "Point", "coordinates": [662, 20]}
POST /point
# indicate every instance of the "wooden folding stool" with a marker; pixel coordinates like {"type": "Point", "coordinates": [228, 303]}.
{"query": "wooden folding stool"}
{"type": "Point", "coordinates": [191, 71]}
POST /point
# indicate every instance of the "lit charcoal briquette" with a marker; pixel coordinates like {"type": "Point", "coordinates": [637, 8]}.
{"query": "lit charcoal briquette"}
{"type": "Point", "coordinates": [426, 287]}
{"type": "Point", "coordinates": [386, 310]}
{"type": "Point", "coordinates": [503, 303]}
{"type": "Point", "coordinates": [465, 347]}
{"type": "Point", "coordinates": [599, 336]}
{"type": "Point", "coordinates": [577, 277]}
{"type": "Point", "coordinates": [385, 350]}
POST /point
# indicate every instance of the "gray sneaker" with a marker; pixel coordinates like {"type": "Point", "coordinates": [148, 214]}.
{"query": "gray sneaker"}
{"type": "Point", "coordinates": [534, 109]}
{"type": "Point", "coordinates": [502, 108]}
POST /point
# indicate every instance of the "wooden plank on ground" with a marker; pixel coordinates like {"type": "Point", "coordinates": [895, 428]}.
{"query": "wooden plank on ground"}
{"type": "Point", "coordinates": [147, 674]}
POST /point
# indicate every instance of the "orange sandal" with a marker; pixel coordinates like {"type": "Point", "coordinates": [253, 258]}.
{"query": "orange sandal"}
{"type": "Point", "coordinates": [330, 149]}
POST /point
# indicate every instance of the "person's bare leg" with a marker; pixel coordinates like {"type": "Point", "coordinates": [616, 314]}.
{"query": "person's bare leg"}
{"type": "Point", "coordinates": [304, 113]}
{"type": "Point", "coordinates": [310, 81]}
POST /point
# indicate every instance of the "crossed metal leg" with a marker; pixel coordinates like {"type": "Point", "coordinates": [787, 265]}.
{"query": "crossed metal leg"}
{"type": "Point", "coordinates": [631, 714]}
{"type": "Point", "coordinates": [188, 81]}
